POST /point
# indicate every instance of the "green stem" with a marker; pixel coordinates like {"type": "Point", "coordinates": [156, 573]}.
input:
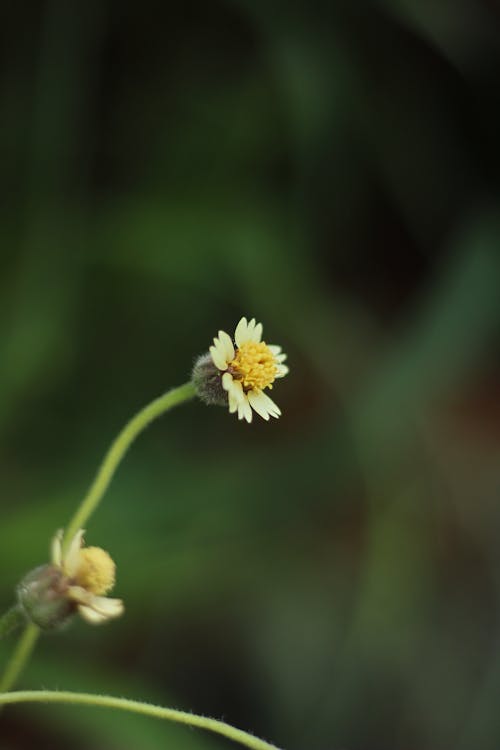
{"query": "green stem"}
{"type": "Point", "coordinates": [117, 451]}
{"type": "Point", "coordinates": [92, 499]}
{"type": "Point", "coordinates": [11, 620]}
{"type": "Point", "coordinates": [147, 709]}
{"type": "Point", "coordinates": [20, 656]}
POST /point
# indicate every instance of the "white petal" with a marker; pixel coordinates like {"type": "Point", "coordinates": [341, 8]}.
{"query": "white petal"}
{"type": "Point", "coordinates": [233, 403]}
{"type": "Point", "coordinates": [258, 404]}
{"type": "Point", "coordinates": [218, 358]}
{"type": "Point", "coordinates": [226, 342]}
{"type": "Point", "coordinates": [256, 333]}
{"type": "Point", "coordinates": [234, 391]}
{"type": "Point", "coordinates": [280, 358]}
{"type": "Point", "coordinates": [232, 386]}
{"type": "Point", "coordinates": [274, 349]}
{"type": "Point", "coordinates": [240, 334]}
{"type": "Point", "coordinates": [94, 617]}
{"type": "Point", "coordinates": [244, 411]}
{"type": "Point", "coordinates": [107, 607]}
{"type": "Point", "coordinates": [72, 560]}
{"type": "Point", "coordinates": [219, 345]}
{"type": "Point", "coordinates": [227, 381]}
{"type": "Point", "coordinates": [100, 604]}
{"type": "Point", "coordinates": [78, 594]}
{"type": "Point", "coordinates": [281, 371]}
{"type": "Point", "coordinates": [56, 551]}
{"type": "Point", "coordinates": [237, 391]}
{"type": "Point", "coordinates": [91, 616]}
{"type": "Point", "coordinates": [271, 407]}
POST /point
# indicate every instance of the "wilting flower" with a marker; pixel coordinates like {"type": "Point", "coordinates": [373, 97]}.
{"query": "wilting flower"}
{"type": "Point", "coordinates": [90, 573]}
{"type": "Point", "coordinates": [247, 367]}
{"type": "Point", "coordinates": [75, 581]}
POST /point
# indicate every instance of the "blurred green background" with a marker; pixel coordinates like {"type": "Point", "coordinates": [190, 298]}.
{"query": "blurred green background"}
{"type": "Point", "coordinates": [329, 581]}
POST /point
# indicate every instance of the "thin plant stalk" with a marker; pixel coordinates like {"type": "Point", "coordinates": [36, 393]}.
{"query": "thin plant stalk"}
{"type": "Point", "coordinates": [147, 709]}
{"type": "Point", "coordinates": [117, 450]}
{"type": "Point", "coordinates": [106, 471]}
{"type": "Point", "coordinates": [11, 620]}
{"type": "Point", "coordinates": [20, 656]}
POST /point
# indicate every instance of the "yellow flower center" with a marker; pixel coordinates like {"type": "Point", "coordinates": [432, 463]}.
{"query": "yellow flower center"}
{"type": "Point", "coordinates": [254, 365]}
{"type": "Point", "coordinates": [96, 572]}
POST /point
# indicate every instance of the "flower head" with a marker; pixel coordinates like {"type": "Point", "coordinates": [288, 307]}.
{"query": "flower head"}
{"type": "Point", "coordinates": [247, 367]}
{"type": "Point", "coordinates": [89, 573]}
{"type": "Point", "coordinates": [72, 582]}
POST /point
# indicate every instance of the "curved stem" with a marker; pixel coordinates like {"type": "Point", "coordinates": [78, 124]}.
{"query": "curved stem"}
{"type": "Point", "coordinates": [147, 709]}
{"type": "Point", "coordinates": [92, 499]}
{"type": "Point", "coordinates": [117, 451]}
{"type": "Point", "coordinates": [11, 620]}
{"type": "Point", "coordinates": [20, 656]}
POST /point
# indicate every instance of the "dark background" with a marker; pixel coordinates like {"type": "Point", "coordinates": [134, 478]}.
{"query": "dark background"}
{"type": "Point", "coordinates": [329, 581]}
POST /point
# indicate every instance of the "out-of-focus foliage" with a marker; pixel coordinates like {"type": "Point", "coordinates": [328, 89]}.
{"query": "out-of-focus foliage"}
{"type": "Point", "coordinates": [329, 580]}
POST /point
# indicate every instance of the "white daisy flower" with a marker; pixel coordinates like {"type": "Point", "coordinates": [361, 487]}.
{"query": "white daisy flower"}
{"type": "Point", "coordinates": [88, 574]}
{"type": "Point", "coordinates": [247, 367]}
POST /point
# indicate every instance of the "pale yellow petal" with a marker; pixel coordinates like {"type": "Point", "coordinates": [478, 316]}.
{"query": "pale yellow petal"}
{"type": "Point", "coordinates": [251, 328]}
{"type": "Point", "coordinates": [237, 391]}
{"type": "Point", "coordinates": [281, 371]}
{"type": "Point", "coordinates": [232, 394]}
{"type": "Point", "coordinates": [91, 616]}
{"type": "Point", "coordinates": [88, 614]}
{"type": "Point", "coordinates": [240, 334]}
{"type": "Point", "coordinates": [244, 410]}
{"type": "Point", "coordinates": [272, 408]}
{"type": "Point", "coordinates": [258, 404]}
{"type": "Point", "coordinates": [56, 549]}
{"type": "Point", "coordinates": [106, 606]}
{"type": "Point", "coordinates": [220, 346]}
{"type": "Point", "coordinates": [71, 562]}
{"type": "Point", "coordinates": [103, 605]}
{"type": "Point", "coordinates": [232, 386]}
{"type": "Point", "coordinates": [233, 403]}
{"type": "Point", "coordinates": [227, 381]}
{"type": "Point", "coordinates": [218, 358]}
{"type": "Point", "coordinates": [79, 595]}
{"type": "Point", "coordinates": [257, 333]}
{"type": "Point", "coordinates": [226, 342]}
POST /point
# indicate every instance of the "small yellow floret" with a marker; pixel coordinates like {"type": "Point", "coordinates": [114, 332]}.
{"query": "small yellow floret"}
{"type": "Point", "coordinates": [254, 365]}
{"type": "Point", "coordinates": [96, 571]}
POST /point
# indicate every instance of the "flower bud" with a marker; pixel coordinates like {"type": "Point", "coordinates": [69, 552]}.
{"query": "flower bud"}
{"type": "Point", "coordinates": [207, 381]}
{"type": "Point", "coordinates": [42, 595]}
